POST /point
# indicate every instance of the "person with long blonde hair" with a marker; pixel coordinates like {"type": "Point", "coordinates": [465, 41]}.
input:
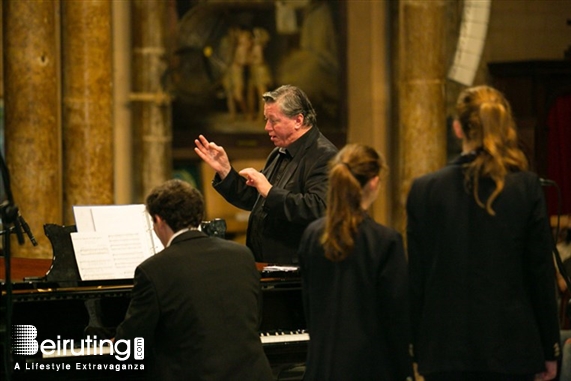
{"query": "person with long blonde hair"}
{"type": "Point", "coordinates": [480, 256]}
{"type": "Point", "coordinates": [354, 280]}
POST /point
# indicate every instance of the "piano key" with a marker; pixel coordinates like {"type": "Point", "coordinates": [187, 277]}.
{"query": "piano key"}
{"type": "Point", "coordinates": [284, 336]}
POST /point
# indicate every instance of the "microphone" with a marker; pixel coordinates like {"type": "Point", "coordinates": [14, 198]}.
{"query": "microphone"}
{"type": "Point", "coordinates": [27, 229]}
{"type": "Point", "coordinates": [17, 228]}
{"type": "Point", "coordinates": [546, 182]}
{"type": "Point", "coordinates": [9, 214]}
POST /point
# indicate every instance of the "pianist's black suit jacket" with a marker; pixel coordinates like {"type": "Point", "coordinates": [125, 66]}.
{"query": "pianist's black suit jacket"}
{"type": "Point", "coordinates": [294, 201]}
{"type": "Point", "coordinates": [483, 289]}
{"type": "Point", "coordinates": [196, 303]}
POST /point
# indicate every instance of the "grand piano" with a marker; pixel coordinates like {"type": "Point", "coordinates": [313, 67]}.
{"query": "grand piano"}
{"type": "Point", "coordinates": [49, 295]}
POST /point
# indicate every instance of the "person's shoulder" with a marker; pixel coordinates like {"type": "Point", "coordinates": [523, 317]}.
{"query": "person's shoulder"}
{"type": "Point", "coordinates": [524, 179]}
{"type": "Point", "coordinates": [524, 175]}
{"type": "Point", "coordinates": [323, 144]}
{"type": "Point", "coordinates": [380, 230]}
{"type": "Point", "coordinates": [156, 261]}
{"type": "Point", "coordinates": [316, 225]}
{"type": "Point", "coordinates": [226, 244]}
{"type": "Point", "coordinates": [310, 242]}
{"type": "Point", "coordinates": [327, 147]}
{"type": "Point", "coordinates": [438, 176]}
{"type": "Point", "coordinates": [315, 228]}
{"type": "Point", "coordinates": [231, 249]}
{"type": "Point", "coordinates": [379, 240]}
{"type": "Point", "coordinates": [440, 173]}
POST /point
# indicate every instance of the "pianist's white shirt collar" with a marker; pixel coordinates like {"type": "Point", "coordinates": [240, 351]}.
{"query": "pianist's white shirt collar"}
{"type": "Point", "coordinates": [179, 233]}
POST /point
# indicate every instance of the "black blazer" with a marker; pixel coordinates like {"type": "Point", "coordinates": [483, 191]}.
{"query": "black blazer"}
{"type": "Point", "coordinates": [297, 199]}
{"type": "Point", "coordinates": [356, 310]}
{"type": "Point", "coordinates": [196, 303]}
{"type": "Point", "coordinates": [482, 286]}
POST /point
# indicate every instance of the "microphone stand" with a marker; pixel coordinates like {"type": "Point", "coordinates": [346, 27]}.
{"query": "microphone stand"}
{"type": "Point", "coordinates": [12, 222]}
{"type": "Point", "coordinates": [5, 211]}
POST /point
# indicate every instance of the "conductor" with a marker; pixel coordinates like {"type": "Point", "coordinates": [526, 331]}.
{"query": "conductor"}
{"type": "Point", "coordinates": [290, 191]}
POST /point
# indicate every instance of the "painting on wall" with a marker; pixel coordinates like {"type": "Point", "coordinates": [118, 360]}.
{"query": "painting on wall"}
{"type": "Point", "coordinates": [229, 53]}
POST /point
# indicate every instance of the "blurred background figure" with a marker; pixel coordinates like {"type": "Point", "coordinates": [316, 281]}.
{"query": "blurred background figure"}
{"type": "Point", "coordinates": [260, 78]}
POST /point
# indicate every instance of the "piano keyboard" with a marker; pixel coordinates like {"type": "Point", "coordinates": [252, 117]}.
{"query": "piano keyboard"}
{"type": "Point", "coordinates": [284, 336]}
{"type": "Point", "coordinates": [265, 337]}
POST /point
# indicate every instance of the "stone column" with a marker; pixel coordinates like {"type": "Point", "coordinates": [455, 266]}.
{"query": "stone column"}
{"type": "Point", "coordinates": [368, 85]}
{"type": "Point", "coordinates": [152, 122]}
{"type": "Point", "coordinates": [421, 66]}
{"type": "Point", "coordinates": [31, 99]}
{"type": "Point", "coordinates": [123, 135]}
{"type": "Point", "coordinates": [87, 104]}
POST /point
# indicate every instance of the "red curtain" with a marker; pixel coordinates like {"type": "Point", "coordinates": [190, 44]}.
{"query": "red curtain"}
{"type": "Point", "coordinates": [559, 155]}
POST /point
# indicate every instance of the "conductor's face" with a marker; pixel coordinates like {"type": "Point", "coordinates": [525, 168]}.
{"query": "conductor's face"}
{"type": "Point", "coordinates": [282, 130]}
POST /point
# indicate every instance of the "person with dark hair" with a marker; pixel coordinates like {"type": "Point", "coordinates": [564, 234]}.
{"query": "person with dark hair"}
{"type": "Point", "coordinates": [197, 302]}
{"type": "Point", "coordinates": [480, 256]}
{"type": "Point", "coordinates": [289, 192]}
{"type": "Point", "coordinates": [354, 280]}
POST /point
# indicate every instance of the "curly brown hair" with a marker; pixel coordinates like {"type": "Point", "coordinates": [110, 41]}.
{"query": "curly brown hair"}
{"type": "Point", "coordinates": [178, 203]}
{"type": "Point", "coordinates": [486, 119]}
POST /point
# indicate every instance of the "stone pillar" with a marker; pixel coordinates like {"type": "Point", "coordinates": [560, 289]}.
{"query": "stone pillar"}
{"type": "Point", "coordinates": [421, 66]}
{"type": "Point", "coordinates": [123, 135]}
{"type": "Point", "coordinates": [368, 85]}
{"type": "Point", "coordinates": [87, 104]}
{"type": "Point", "coordinates": [152, 121]}
{"type": "Point", "coordinates": [31, 99]}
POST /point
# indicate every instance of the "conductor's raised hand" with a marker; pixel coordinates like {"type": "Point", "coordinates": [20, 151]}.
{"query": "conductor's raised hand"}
{"type": "Point", "coordinates": [214, 155]}
{"type": "Point", "coordinates": [256, 179]}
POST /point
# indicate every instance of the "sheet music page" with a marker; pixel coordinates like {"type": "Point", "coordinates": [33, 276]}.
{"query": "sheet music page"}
{"type": "Point", "coordinates": [112, 240]}
{"type": "Point", "coordinates": [116, 218]}
{"type": "Point", "coordinates": [103, 255]}
{"type": "Point", "coordinates": [83, 219]}
{"type": "Point", "coordinates": [125, 218]}
{"type": "Point", "coordinates": [113, 218]}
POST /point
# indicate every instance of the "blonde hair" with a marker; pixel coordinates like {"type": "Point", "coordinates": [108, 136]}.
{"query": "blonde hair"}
{"type": "Point", "coordinates": [349, 172]}
{"type": "Point", "coordinates": [487, 122]}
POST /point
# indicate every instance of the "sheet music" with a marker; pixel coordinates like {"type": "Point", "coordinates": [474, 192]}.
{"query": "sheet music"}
{"type": "Point", "coordinates": [275, 268]}
{"type": "Point", "coordinates": [109, 255]}
{"type": "Point", "coordinates": [112, 240]}
{"type": "Point", "coordinates": [83, 219]}
{"type": "Point", "coordinates": [116, 218]}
